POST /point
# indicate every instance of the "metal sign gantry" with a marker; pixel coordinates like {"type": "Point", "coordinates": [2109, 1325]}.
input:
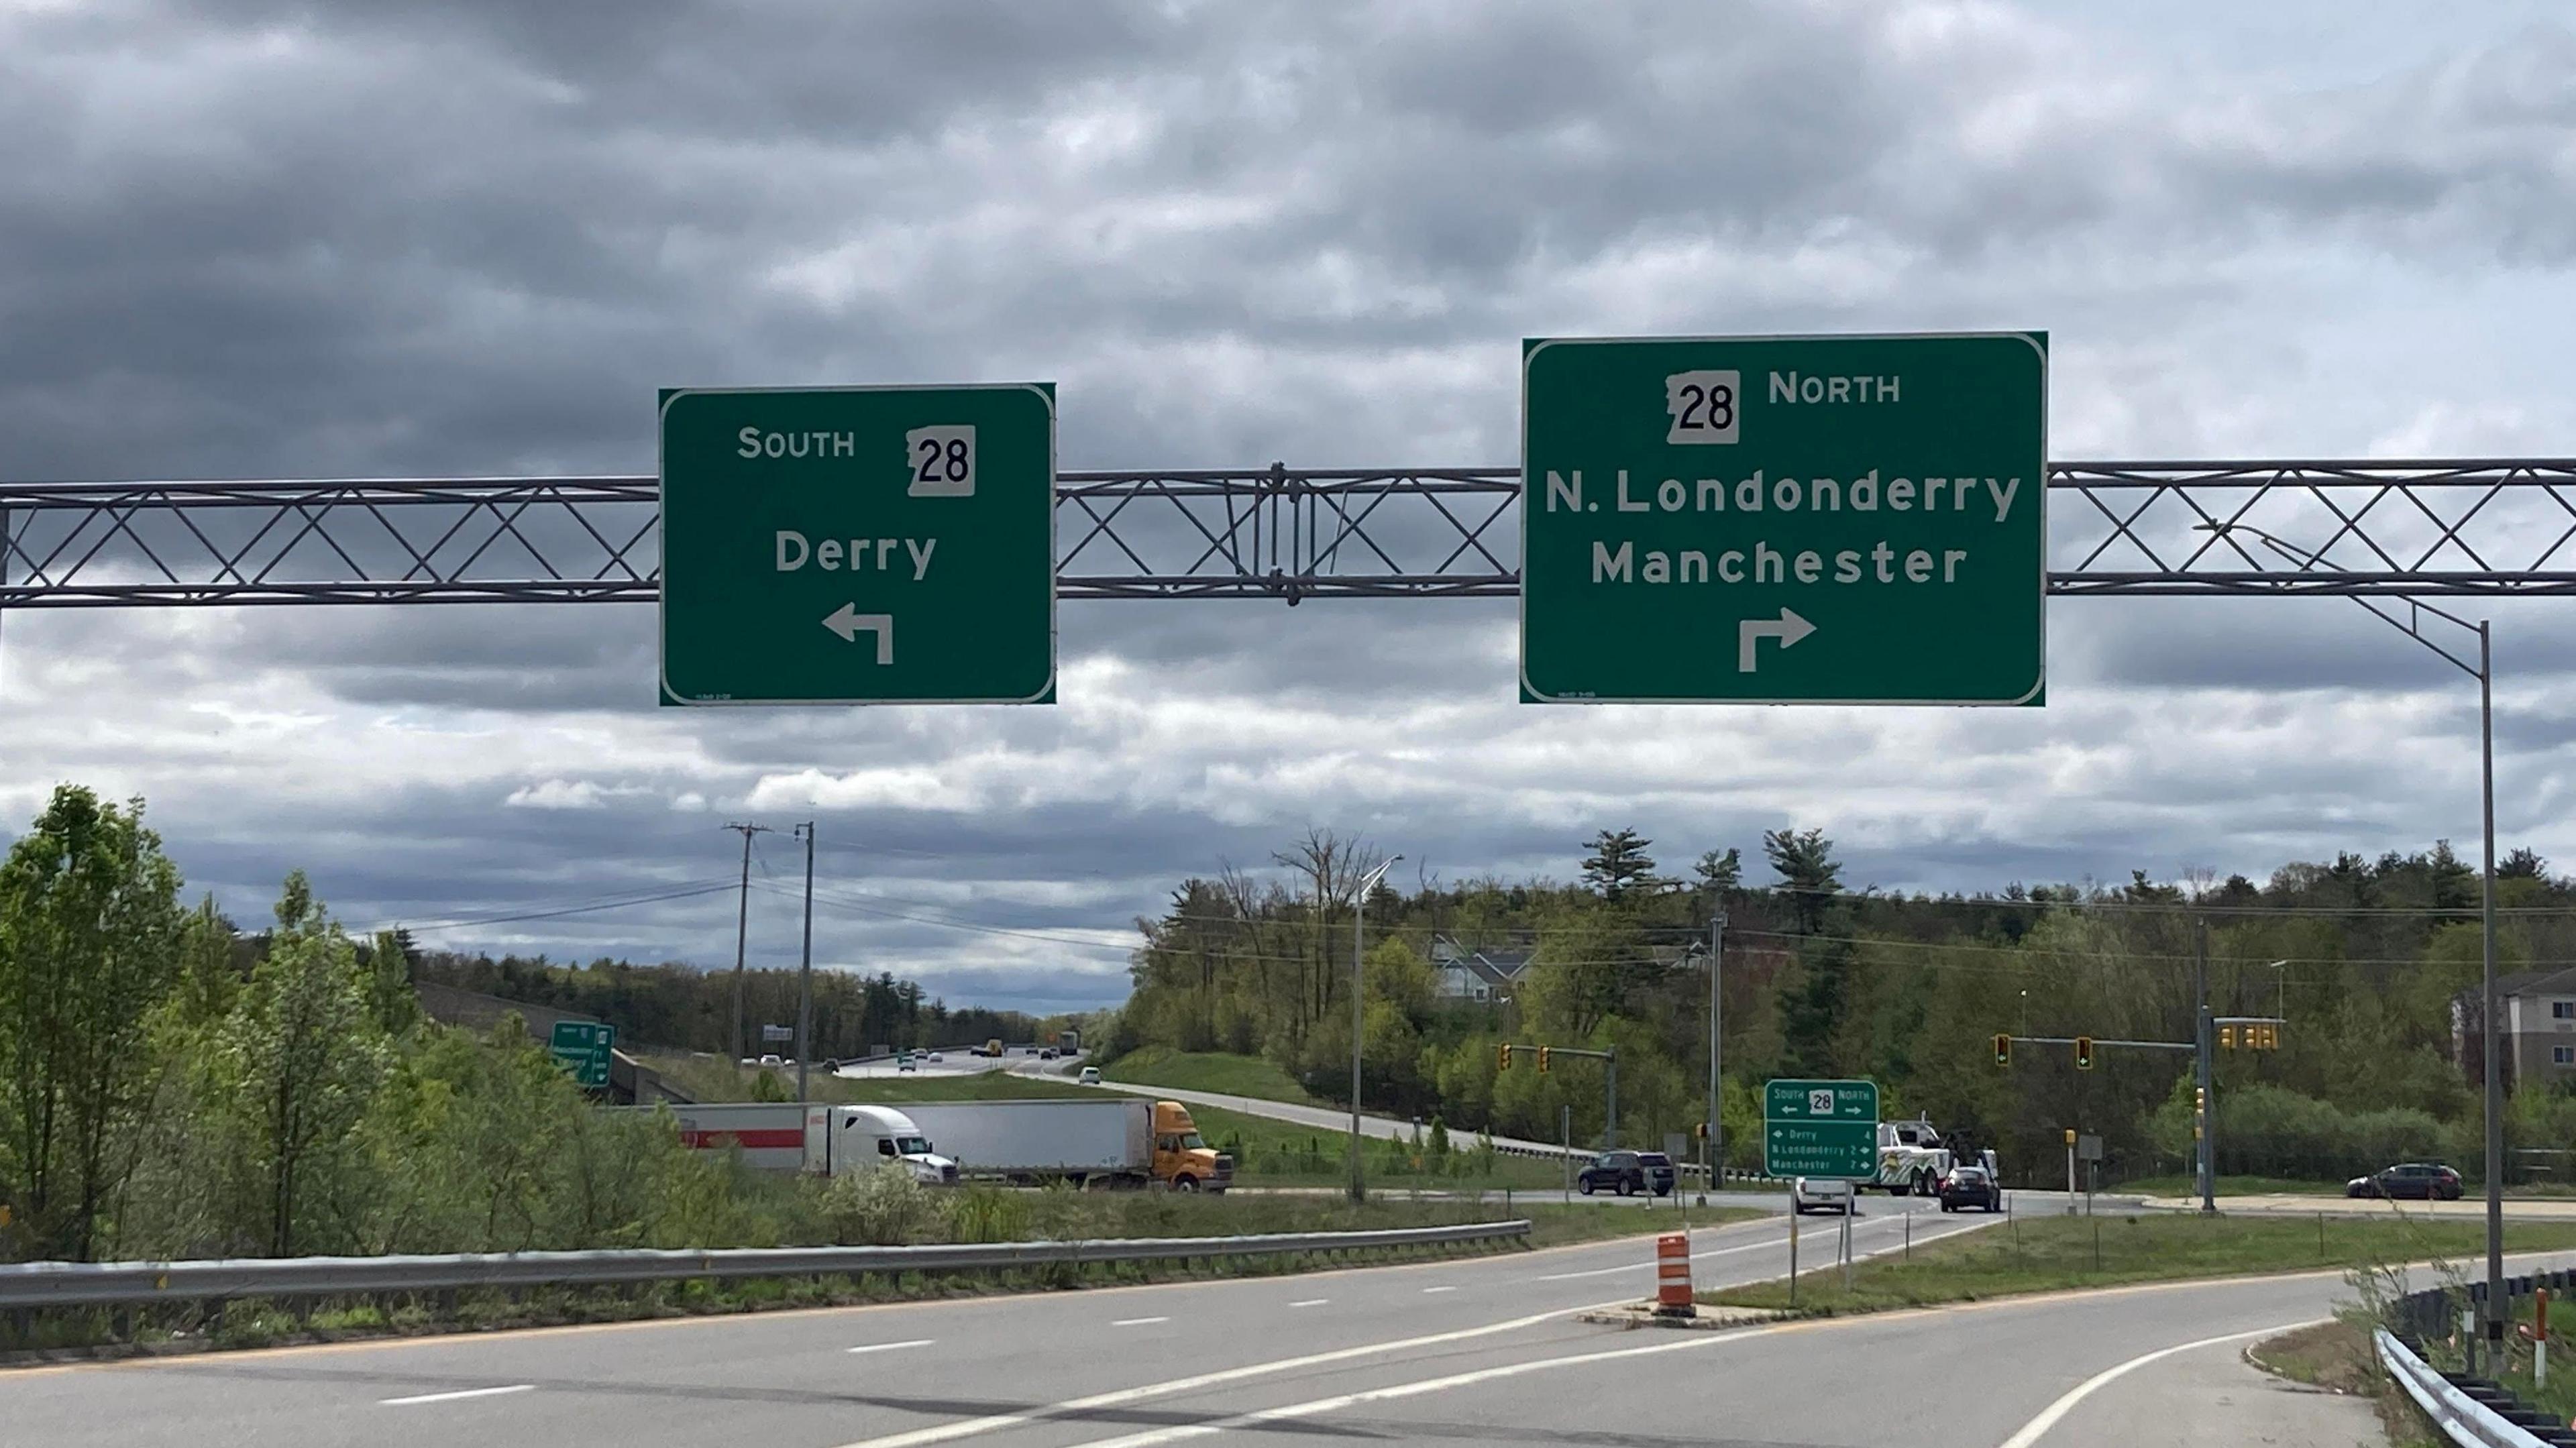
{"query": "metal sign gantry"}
{"type": "Point", "coordinates": [2485, 527]}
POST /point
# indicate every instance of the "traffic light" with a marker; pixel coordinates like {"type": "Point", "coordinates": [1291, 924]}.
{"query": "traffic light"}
{"type": "Point", "coordinates": [2271, 1037]}
{"type": "Point", "coordinates": [1503, 1057]}
{"type": "Point", "coordinates": [2227, 1037]}
{"type": "Point", "coordinates": [1702, 1131]}
{"type": "Point", "coordinates": [2003, 1049]}
{"type": "Point", "coordinates": [2083, 1053]}
{"type": "Point", "coordinates": [1542, 1060]}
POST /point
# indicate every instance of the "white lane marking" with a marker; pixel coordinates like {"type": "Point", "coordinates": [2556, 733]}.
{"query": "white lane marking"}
{"type": "Point", "coordinates": [1401, 1390]}
{"type": "Point", "coordinates": [1928, 1235]}
{"type": "Point", "coordinates": [891, 1346]}
{"type": "Point", "coordinates": [2031, 1431]}
{"type": "Point", "coordinates": [1138, 1321]}
{"type": "Point", "coordinates": [1439, 1289]}
{"type": "Point", "coordinates": [970, 1427]}
{"type": "Point", "coordinates": [452, 1397]}
{"type": "Point", "coordinates": [1311, 1302]}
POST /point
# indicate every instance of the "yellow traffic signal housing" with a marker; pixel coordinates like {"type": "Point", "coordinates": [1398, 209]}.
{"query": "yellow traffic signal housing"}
{"type": "Point", "coordinates": [2271, 1038]}
{"type": "Point", "coordinates": [1542, 1060]}
{"type": "Point", "coordinates": [2003, 1049]}
{"type": "Point", "coordinates": [2200, 1101]}
{"type": "Point", "coordinates": [2227, 1037]}
{"type": "Point", "coordinates": [1503, 1057]}
{"type": "Point", "coordinates": [2083, 1053]}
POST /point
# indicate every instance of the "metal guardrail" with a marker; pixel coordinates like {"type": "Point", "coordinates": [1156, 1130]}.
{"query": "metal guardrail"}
{"type": "Point", "coordinates": [2458, 1416]}
{"type": "Point", "coordinates": [83, 1284]}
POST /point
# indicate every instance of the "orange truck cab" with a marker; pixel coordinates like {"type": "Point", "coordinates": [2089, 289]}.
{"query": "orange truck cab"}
{"type": "Point", "coordinates": [1182, 1161]}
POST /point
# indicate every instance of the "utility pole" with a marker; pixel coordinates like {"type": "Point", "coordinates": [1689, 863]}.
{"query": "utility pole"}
{"type": "Point", "coordinates": [1716, 1141]}
{"type": "Point", "coordinates": [805, 971]}
{"type": "Point", "coordinates": [1359, 1016]}
{"type": "Point", "coordinates": [2497, 1307]}
{"type": "Point", "coordinates": [1610, 1107]}
{"type": "Point", "coordinates": [741, 933]}
{"type": "Point", "coordinates": [2208, 1122]}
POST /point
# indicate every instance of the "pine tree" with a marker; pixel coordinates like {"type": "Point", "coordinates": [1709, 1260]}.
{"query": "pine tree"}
{"type": "Point", "coordinates": [1618, 863]}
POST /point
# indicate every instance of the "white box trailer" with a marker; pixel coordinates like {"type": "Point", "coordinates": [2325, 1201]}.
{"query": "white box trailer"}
{"type": "Point", "coordinates": [770, 1133]}
{"type": "Point", "coordinates": [1108, 1140]}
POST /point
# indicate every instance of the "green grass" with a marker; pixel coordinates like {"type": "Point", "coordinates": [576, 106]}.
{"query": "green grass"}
{"type": "Point", "coordinates": [1280, 1153]}
{"type": "Point", "coordinates": [1208, 1071]}
{"type": "Point", "coordinates": [2047, 1254]}
{"type": "Point", "coordinates": [2337, 1357]}
{"type": "Point", "coordinates": [2227, 1186]}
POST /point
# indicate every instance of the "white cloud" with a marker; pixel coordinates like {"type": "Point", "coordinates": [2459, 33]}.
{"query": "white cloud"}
{"type": "Point", "coordinates": [1313, 233]}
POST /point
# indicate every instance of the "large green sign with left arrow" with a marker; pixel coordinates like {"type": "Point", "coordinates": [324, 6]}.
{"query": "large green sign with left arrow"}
{"type": "Point", "coordinates": [859, 545]}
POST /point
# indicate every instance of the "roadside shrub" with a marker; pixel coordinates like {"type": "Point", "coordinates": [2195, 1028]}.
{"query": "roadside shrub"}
{"type": "Point", "coordinates": [880, 1208]}
{"type": "Point", "coordinates": [987, 1214]}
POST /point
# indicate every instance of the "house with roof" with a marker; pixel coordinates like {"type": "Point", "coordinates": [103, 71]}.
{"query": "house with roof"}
{"type": "Point", "coordinates": [2535, 1027]}
{"type": "Point", "coordinates": [1488, 973]}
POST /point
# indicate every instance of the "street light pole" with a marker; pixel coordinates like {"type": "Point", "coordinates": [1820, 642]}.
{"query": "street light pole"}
{"type": "Point", "coordinates": [1359, 1014]}
{"type": "Point", "coordinates": [1716, 1137]}
{"type": "Point", "coordinates": [2412, 625]}
{"type": "Point", "coordinates": [805, 971]}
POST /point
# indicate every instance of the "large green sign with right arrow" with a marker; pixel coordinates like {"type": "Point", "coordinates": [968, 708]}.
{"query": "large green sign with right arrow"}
{"type": "Point", "coordinates": [1784, 520]}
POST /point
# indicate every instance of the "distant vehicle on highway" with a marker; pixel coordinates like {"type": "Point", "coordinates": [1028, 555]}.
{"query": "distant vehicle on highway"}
{"type": "Point", "coordinates": [1821, 1194]}
{"type": "Point", "coordinates": [1046, 1053]}
{"type": "Point", "coordinates": [1627, 1172]}
{"type": "Point", "coordinates": [772, 1060]}
{"type": "Point", "coordinates": [904, 1062]}
{"type": "Point", "coordinates": [1971, 1186]}
{"type": "Point", "coordinates": [2422, 1181]}
{"type": "Point", "coordinates": [1090, 1075]}
{"type": "Point", "coordinates": [993, 1047]}
{"type": "Point", "coordinates": [936, 1056]}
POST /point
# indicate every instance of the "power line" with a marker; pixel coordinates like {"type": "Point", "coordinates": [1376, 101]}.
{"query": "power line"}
{"type": "Point", "coordinates": [556, 913]}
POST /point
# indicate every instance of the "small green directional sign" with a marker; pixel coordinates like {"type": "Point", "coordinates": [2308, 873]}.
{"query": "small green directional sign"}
{"type": "Point", "coordinates": [1784, 520]}
{"type": "Point", "coordinates": [1820, 1129]}
{"type": "Point", "coordinates": [859, 545]}
{"type": "Point", "coordinates": [583, 1047]}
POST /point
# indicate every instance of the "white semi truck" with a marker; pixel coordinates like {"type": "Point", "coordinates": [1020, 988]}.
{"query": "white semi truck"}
{"type": "Point", "coordinates": [1087, 1141]}
{"type": "Point", "coordinates": [783, 1136]}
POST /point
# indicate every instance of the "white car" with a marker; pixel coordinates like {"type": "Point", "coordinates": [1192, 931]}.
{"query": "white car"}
{"type": "Point", "coordinates": [772, 1060]}
{"type": "Point", "coordinates": [937, 1057]}
{"type": "Point", "coordinates": [1820, 1194]}
{"type": "Point", "coordinates": [1090, 1075]}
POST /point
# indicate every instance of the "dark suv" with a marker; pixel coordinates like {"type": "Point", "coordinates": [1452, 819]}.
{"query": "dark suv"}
{"type": "Point", "coordinates": [2421, 1180]}
{"type": "Point", "coordinates": [1625, 1172]}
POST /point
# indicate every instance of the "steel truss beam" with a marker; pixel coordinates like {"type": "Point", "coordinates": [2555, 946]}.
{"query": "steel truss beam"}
{"type": "Point", "coordinates": [2467, 527]}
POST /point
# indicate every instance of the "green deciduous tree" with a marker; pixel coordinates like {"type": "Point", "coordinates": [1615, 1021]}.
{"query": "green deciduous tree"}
{"type": "Point", "coordinates": [89, 925]}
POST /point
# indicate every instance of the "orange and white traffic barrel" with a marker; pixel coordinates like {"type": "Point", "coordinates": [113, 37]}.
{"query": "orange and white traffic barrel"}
{"type": "Point", "coordinates": [1672, 1276]}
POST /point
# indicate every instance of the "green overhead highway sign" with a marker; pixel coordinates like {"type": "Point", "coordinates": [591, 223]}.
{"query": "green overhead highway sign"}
{"type": "Point", "coordinates": [1820, 1129]}
{"type": "Point", "coordinates": [1784, 520]}
{"type": "Point", "coordinates": [859, 545]}
{"type": "Point", "coordinates": [582, 1047]}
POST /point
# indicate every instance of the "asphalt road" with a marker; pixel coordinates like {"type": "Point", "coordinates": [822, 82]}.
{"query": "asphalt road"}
{"type": "Point", "coordinates": [1134, 1357]}
{"type": "Point", "coordinates": [1483, 1350]}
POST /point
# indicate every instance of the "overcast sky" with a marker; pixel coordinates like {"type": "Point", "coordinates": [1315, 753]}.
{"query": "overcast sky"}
{"type": "Point", "coordinates": [292, 240]}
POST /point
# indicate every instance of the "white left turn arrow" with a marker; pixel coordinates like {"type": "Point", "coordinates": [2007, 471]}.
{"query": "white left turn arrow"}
{"type": "Point", "coordinates": [849, 623]}
{"type": "Point", "coordinates": [1788, 629]}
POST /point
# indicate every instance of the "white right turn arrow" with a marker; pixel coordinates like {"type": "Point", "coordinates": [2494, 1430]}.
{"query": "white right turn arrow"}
{"type": "Point", "coordinates": [849, 623]}
{"type": "Point", "coordinates": [1788, 629]}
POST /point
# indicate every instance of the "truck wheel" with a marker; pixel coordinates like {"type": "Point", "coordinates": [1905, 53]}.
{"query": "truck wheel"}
{"type": "Point", "coordinates": [1185, 1183]}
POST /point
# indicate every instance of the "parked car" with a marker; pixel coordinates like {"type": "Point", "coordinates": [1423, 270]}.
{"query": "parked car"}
{"type": "Point", "coordinates": [2422, 1181]}
{"type": "Point", "coordinates": [1626, 1172]}
{"type": "Point", "coordinates": [1821, 1194]}
{"type": "Point", "coordinates": [1971, 1186]}
{"type": "Point", "coordinates": [1090, 1075]}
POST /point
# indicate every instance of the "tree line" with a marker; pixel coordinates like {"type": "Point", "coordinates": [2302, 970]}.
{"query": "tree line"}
{"type": "Point", "coordinates": [681, 1007]}
{"type": "Point", "coordinates": [2366, 958]}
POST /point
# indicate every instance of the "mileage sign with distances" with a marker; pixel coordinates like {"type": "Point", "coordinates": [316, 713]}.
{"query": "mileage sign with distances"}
{"type": "Point", "coordinates": [859, 545]}
{"type": "Point", "coordinates": [1784, 520]}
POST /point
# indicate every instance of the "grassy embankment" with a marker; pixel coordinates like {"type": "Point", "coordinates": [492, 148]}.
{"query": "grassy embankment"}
{"type": "Point", "coordinates": [2226, 1186]}
{"type": "Point", "coordinates": [2049, 1254]}
{"type": "Point", "coordinates": [2336, 1356]}
{"type": "Point", "coordinates": [1220, 1071]}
